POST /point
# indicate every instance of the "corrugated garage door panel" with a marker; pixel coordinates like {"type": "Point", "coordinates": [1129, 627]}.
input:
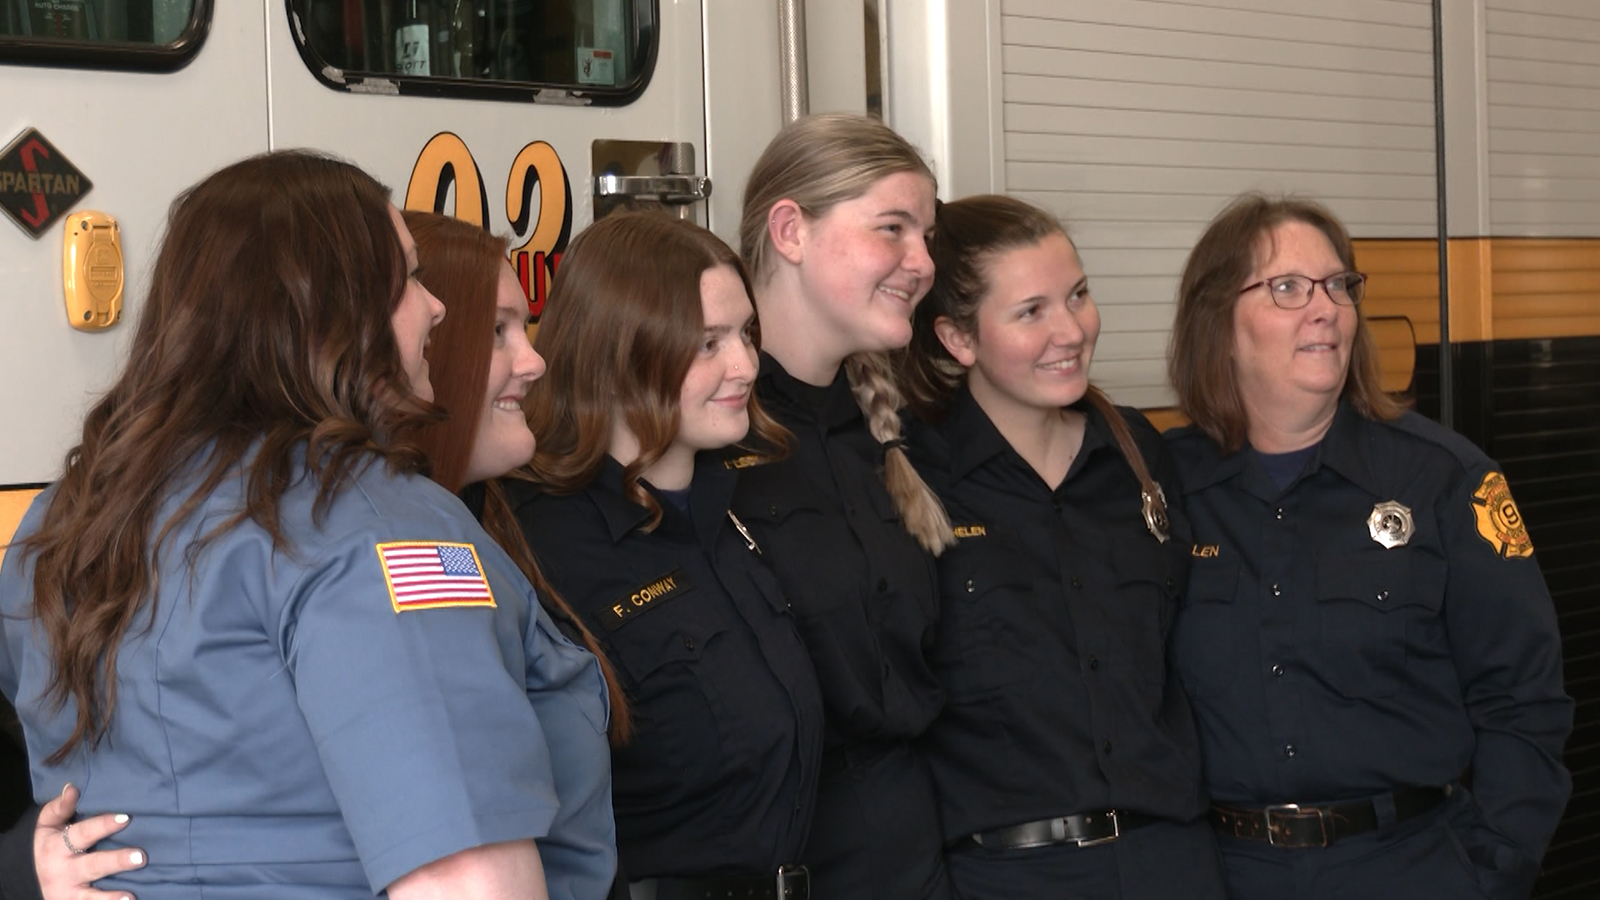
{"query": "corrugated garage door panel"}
{"type": "Point", "coordinates": [1136, 120]}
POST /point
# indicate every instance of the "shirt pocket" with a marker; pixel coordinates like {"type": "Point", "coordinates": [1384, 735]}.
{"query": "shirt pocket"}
{"type": "Point", "coordinates": [1210, 628]}
{"type": "Point", "coordinates": [990, 624]}
{"type": "Point", "coordinates": [662, 658]}
{"type": "Point", "coordinates": [1150, 579]}
{"type": "Point", "coordinates": [805, 540]}
{"type": "Point", "coordinates": [1366, 604]}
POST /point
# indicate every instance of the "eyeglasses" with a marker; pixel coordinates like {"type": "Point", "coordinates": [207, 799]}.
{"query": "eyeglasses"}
{"type": "Point", "coordinates": [1294, 291]}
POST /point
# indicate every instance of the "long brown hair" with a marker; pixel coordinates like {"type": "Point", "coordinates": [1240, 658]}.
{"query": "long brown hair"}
{"type": "Point", "coordinates": [621, 328]}
{"type": "Point", "coordinates": [460, 263]}
{"type": "Point", "coordinates": [969, 236]}
{"type": "Point", "coordinates": [818, 162]}
{"type": "Point", "coordinates": [1200, 362]}
{"type": "Point", "coordinates": [264, 345]}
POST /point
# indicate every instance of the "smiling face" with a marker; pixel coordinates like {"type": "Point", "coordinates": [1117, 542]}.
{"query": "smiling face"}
{"type": "Point", "coordinates": [865, 265]}
{"type": "Point", "coordinates": [415, 315]}
{"type": "Point", "coordinates": [503, 441]}
{"type": "Point", "coordinates": [713, 404]}
{"type": "Point", "coordinates": [1292, 359]}
{"type": "Point", "coordinates": [1035, 332]}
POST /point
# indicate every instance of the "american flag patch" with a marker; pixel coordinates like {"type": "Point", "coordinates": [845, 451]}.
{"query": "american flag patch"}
{"type": "Point", "coordinates": [430, 575]}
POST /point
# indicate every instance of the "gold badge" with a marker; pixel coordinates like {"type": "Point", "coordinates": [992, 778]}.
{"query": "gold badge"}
{"type": "Point", "coordinates": [969, 531]}
{"type": "Point", "coordinates": [1499, 521]}
{"type": "Point", "coordinates": [1390, 524]}
{"type": "Point", "coordinates": [1155, 513]}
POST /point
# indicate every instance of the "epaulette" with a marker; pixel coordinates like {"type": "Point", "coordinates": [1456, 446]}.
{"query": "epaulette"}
{"type": "Point", "coordinates": [1469, 455]}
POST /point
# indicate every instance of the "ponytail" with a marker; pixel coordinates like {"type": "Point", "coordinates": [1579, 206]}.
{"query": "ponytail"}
{"type": "Point", "coordinates": [1154, 499]}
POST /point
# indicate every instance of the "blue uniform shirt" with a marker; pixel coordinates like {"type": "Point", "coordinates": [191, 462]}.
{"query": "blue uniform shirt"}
{"type": "Point", "coordinates": [1324, 666]}
{"type": "Point", "coordinates": [310, 719]}
{"type": "Point", "coordinates": [720, 776]}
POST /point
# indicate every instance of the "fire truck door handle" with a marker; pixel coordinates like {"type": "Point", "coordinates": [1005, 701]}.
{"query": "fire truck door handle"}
{"type": "Point", "coordinates": [673, 189]}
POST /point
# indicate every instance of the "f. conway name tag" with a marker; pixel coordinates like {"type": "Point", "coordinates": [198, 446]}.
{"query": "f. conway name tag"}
{"type": "Point", "coordinates": [643, 598]}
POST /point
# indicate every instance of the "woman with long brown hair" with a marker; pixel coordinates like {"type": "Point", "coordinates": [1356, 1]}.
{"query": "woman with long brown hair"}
{"type": "Point", "coordinates": [245, 611]}
{"type": "Point", "coordinates": [836, 216]}
{"type": "Point", "coordinates": [1066, 760]}
{"type": "Point", "coordinates": [650, 332]}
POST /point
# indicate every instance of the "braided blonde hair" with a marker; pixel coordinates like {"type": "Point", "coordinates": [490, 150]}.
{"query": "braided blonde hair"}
{"type": "Point", "coordinates": [872, 381]}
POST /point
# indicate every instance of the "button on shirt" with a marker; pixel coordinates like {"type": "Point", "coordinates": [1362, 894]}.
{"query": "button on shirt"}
{"type": "Point", "coordinates": [720, 776]}
{"type": "Point", "coordinates": [281, 723]}
{"type": "Point", "coordinates": [1323, 666]}
{"type": "Point", "coordinates": [862, 588]}
{"type": "Point", "coordinates": [1056, 608]}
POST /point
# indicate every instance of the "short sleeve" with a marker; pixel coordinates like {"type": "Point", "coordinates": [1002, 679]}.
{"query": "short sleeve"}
{"type": "Point", "coordinates": [568, 695]}
{"type": "Point", "coordinates": [418, 711]}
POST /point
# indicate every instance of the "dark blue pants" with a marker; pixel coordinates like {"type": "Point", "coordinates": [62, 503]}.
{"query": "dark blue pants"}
{"type": "Point", "coordinates": [1161, 861]}
{"type": "Point", "coordinates": [875, 835]}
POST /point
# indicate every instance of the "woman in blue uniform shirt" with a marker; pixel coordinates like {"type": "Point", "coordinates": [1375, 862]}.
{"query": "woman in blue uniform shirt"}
{"type": "Point", "coordinates": [227, 618]}
{"type": "Point", "coordinates": [836, 217]}
{"type": "Point", "coordinates": [1368, 643]}
{"type": "Point", "coordinates": [1066, 760]}
{"type": "Point", "coordinates": [481, 365]}
{"type": "Point", "coordinates": [650, 330]}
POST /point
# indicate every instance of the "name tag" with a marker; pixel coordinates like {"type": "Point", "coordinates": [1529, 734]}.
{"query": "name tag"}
{"type": "Point", "coordinates": [643, 598]}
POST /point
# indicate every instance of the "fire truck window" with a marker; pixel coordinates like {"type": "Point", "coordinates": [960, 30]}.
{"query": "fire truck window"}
{"type": "Point", "coordinates": [162, 23]}
{"type": "Point", "coordinates": [598, 49]}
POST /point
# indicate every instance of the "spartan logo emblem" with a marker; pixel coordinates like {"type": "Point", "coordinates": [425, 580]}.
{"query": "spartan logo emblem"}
{"type": "Point", "coordinates": [1499, 521]}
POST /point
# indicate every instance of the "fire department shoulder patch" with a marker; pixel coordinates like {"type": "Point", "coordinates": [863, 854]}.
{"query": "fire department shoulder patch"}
{"type": "Point", "coordinates": [1499, 521]}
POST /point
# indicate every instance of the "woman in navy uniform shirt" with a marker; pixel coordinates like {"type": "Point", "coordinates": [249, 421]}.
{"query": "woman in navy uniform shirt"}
{"type": "Point", "coordinates": [649, 327]}
{"type": "Point", "coordinates": [228, 618]}
{"type": "Point", "coordinates": [836, 216]}
{"type": "Point", "coordinates": [1370, 649]}
{"type": "Point", "coordinates": [1066, 760]}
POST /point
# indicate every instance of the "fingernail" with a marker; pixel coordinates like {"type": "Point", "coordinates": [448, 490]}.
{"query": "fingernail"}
{"type": "Point", "coordinates": [136, 858]}
{"type": "Point", "coordinates": [66, 787]}
{"type": "Point", "coordinates": [120, 818]}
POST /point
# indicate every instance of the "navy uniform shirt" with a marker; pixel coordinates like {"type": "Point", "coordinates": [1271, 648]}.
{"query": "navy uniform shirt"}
{"type": "Point", "coordinates": [328, 719]}
{"type": "Point", "coordinates": [862, 588]}
{"type": "Point", "coordinates": [1324, 666]}
{"type": "Point", "coordinates": [721, 774]}
{"type": "Point", "coordinates": [1056, 608]}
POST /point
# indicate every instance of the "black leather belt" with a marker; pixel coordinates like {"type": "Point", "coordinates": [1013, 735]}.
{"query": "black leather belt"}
{"type": "Point", "coordinates": [1083, 829]}
{"type": "Point", "coordinates": [787, 883]}
{"type": "Point", "coordinates": [1298, 825]}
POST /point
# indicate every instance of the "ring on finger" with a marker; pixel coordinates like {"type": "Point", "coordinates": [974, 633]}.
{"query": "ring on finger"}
{"type": "Point", "coordinates": [67, 839]}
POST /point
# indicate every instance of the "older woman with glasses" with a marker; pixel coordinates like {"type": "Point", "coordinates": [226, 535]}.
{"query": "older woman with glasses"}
{"type": "Point", "coordinates": [1367, 640]}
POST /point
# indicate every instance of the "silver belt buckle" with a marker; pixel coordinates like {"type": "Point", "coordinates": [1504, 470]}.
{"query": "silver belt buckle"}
{"type": "Point", "coordinates": [1116, 832]}
{"type": "Point", "coordinates": [1293, 810]}
{"type": "Point", "coordinates": [800, 890]}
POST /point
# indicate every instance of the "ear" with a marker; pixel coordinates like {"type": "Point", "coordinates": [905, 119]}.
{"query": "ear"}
{"type": "Point", "coordinates": [786, 229]}
{"type": "Point", "coordinates": [956, 341]}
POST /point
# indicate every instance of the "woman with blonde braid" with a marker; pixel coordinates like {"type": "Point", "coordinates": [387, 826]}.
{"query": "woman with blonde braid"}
{"type": "Point", "coordinates": [836, 216]}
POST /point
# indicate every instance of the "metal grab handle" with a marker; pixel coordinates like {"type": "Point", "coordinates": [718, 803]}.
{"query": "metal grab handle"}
{"type": "Point", "coordinates": [664, 188]}
{"type": "Point", "coordinates": [793, 74]}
